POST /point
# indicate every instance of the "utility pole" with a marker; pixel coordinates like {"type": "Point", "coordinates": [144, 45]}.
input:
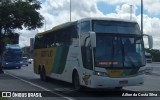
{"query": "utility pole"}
{"type": "Point", "coordinates": [70, 10]}
{"type": "Point", "coordinates": [131, 12]}
{"type": "Point", "coordinates": [142, 17]}
{"type": "Point", "coordinates": [45, 24]}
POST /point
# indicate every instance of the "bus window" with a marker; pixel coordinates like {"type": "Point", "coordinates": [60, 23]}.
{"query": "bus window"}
{"type": "Point", "coordinates": [85, 26]}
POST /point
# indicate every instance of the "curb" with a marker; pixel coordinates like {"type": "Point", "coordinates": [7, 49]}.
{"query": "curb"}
{"type": "Point", "coordinates": [157, 74]}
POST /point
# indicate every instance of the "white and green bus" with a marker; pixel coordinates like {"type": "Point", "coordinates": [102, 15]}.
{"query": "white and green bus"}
{"type": "Point", "coordinates": [92, 52]}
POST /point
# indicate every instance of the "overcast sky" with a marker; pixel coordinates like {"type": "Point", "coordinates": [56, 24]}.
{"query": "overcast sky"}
{"type": "Point", "coordinates": [56, 12]}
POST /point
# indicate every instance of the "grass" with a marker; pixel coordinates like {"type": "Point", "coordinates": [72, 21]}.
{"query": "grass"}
{"type": "Point", "coordinates": [3, 98]}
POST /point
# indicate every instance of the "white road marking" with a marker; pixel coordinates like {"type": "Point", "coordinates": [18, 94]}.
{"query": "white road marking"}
{"type": "Point", "coordinates": [68, 98]}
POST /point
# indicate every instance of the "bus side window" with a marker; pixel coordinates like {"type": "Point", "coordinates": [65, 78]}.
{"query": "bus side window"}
{"type": "Point", "coordinates": [39, 42]}
{"type": "Point", "coordinates": [85, 27]}
{"type": "Point", "coordinates": [74, 31]}
{"type": "Point", "coordinates": [89, 64]}
{"type": "Point", "coordinates": [66, 36]}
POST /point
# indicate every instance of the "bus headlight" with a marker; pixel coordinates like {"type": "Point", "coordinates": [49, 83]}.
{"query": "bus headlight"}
{"type": "Point", "coordinates": [141, 72]}
{"type": "Point", "coordinates": [6, 63]}
{"type": "Point", "coordinates": [100, 73]}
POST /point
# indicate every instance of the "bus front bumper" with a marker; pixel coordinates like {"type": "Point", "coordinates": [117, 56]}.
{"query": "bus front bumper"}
{"type": "Point", "coordinates": [107, 82]}
{"type": "Point", "coordinates": [12, 65]}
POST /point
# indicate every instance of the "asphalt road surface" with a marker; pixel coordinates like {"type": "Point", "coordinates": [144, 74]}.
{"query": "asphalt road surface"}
{"type": "Point", "coordinates": [25, 80]}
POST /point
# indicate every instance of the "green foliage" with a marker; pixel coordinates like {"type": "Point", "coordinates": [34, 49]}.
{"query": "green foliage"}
{"type": "Point", "coordinates": [14, 14]}
{"type": "Point", "coordinates": [2, 98]}
{"type": "Point", "coordinates": [155, 54]}
{"type": "Point", "coordinates": [2, 45]}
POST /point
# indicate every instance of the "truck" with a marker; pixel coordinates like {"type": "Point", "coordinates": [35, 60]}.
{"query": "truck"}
{"type": "Point", "coordinates": [148, 57]}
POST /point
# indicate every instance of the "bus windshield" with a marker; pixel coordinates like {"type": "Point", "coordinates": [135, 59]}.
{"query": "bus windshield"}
{"type": "Point", "coordinates": [114, 51]}
{"type": "Point", "coordinates": [119, 44]}
{"type": "Point", "coordinates": [13, 55]}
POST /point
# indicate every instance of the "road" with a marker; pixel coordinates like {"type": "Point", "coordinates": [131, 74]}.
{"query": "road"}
{"type": "Point", "coordinates": [65, 91]}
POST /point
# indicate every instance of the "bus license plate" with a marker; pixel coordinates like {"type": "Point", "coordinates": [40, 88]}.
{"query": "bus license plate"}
{"type": "Point", "coordinates": [123, 82]}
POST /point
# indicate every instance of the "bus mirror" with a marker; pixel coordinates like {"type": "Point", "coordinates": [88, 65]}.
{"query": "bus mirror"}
{"type": "Point", "coordinates": [93, 39]}
{"type": "Point", "coordinates": [150, 40]}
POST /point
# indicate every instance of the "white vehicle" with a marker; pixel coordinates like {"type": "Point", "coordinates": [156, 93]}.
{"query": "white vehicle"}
{"type": "Point", "coordinates": [30, 61]}
{"type": "Point", "coordinates": [148, 57]}
{"type": "Point", "coordinates": [25, 61]}
{"type": "Point", "coordinates": [92, 52]}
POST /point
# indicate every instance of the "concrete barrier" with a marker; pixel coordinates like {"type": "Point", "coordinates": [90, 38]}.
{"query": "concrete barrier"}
{"type": "Point", "coordinates": [153, 68]}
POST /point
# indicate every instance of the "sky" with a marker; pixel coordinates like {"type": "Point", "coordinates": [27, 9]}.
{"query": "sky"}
{"type": "Point", "coordinates": [57, 12]}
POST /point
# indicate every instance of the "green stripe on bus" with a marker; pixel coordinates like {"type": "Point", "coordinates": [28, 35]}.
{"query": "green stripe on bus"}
{"type": "Point", "coordinates": [60, 59]}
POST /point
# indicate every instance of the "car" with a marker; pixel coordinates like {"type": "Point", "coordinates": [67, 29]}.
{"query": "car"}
{"type": "Point", "coordinates": [30, 61]}
{"type": "Point", "coordinates": [25, 61]}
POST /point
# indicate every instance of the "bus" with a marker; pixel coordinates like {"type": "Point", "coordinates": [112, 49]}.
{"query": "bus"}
{"type": "Point", "coordinates": [93, 53]}
{"type": "Point", "coordinates": [12, 56]}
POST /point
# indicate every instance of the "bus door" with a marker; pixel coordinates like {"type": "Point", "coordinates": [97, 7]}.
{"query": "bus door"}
{"type": "Point", "coordinates": [87, 58]}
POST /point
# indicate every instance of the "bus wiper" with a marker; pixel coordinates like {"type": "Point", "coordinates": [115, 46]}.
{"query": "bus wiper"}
{"type": "Point", "coordinates": [123, 52]}
{"type": "Point", "coordinates": [113, 50]}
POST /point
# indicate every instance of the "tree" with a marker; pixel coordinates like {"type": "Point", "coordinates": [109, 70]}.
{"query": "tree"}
{"type": "Point", "coordinates": [155, 54]}
{"type": "Point", "coordinates": [16, 14]}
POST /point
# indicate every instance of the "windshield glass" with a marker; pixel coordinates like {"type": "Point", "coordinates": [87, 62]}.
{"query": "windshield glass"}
{"type": "Point", "coordinates": [118, 51]}
{"type": "Point", "coordinates": [101, 26]}
{"type": "Point", "coordinates": [25, 58]}
{"type": "Point", "coordinates": [13, 55]}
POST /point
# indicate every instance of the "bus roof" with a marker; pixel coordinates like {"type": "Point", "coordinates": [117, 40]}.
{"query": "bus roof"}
{"type": "Point", "coordinates": [84, 19]}
{"type": "Point", "coordinates": [107, 19]}
{"type": "Point", "coordinates": [13, 46]}
{"type": "Point", "coordinates": [57, 27]}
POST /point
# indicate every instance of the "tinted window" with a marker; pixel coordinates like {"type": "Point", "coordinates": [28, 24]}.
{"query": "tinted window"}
{"type": "Point", "coordinates": [85, 27]}
{"type": "Point", "coordinates": [57, 38]}
{"type": "Point", "coordinates": [116, 27]}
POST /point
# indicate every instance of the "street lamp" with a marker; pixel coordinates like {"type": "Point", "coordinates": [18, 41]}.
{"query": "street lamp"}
{"type": "Point", "coordinates": [131, 12]}
{"type": "Point", "coordinates": [70, 10]}
{"type": "Point", "coordinates": [142, 16]}
{"type": "Point", "coordinates": [45, 24]}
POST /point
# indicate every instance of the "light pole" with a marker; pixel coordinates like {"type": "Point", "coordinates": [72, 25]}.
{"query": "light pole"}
{"type": "Point", "coordinates": [70, 10]}
{"type": "Point", "coordinates": [131, 12]}
{"type": "Point", "coordinates": [142, 16]}
{"type": "Point", "coordinates": [45, 24]}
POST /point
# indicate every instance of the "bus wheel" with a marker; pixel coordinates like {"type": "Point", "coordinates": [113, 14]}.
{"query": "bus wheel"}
{"type": "Point", "coordinates": [76, 82]}
{"type": "Point", "coordinates": [43, 74]}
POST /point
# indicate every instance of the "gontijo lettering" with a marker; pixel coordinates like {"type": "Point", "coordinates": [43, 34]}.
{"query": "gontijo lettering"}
{"type": "Point", "coordinates": [46, 53]}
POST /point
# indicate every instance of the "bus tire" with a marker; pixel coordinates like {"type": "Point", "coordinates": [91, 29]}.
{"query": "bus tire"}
{"type": "Point", "coordinates": [76, 81]}
{"type": "Point", "coordinates": [43, 74]}
{"type": "Point", "coordinates": [39, 69]}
